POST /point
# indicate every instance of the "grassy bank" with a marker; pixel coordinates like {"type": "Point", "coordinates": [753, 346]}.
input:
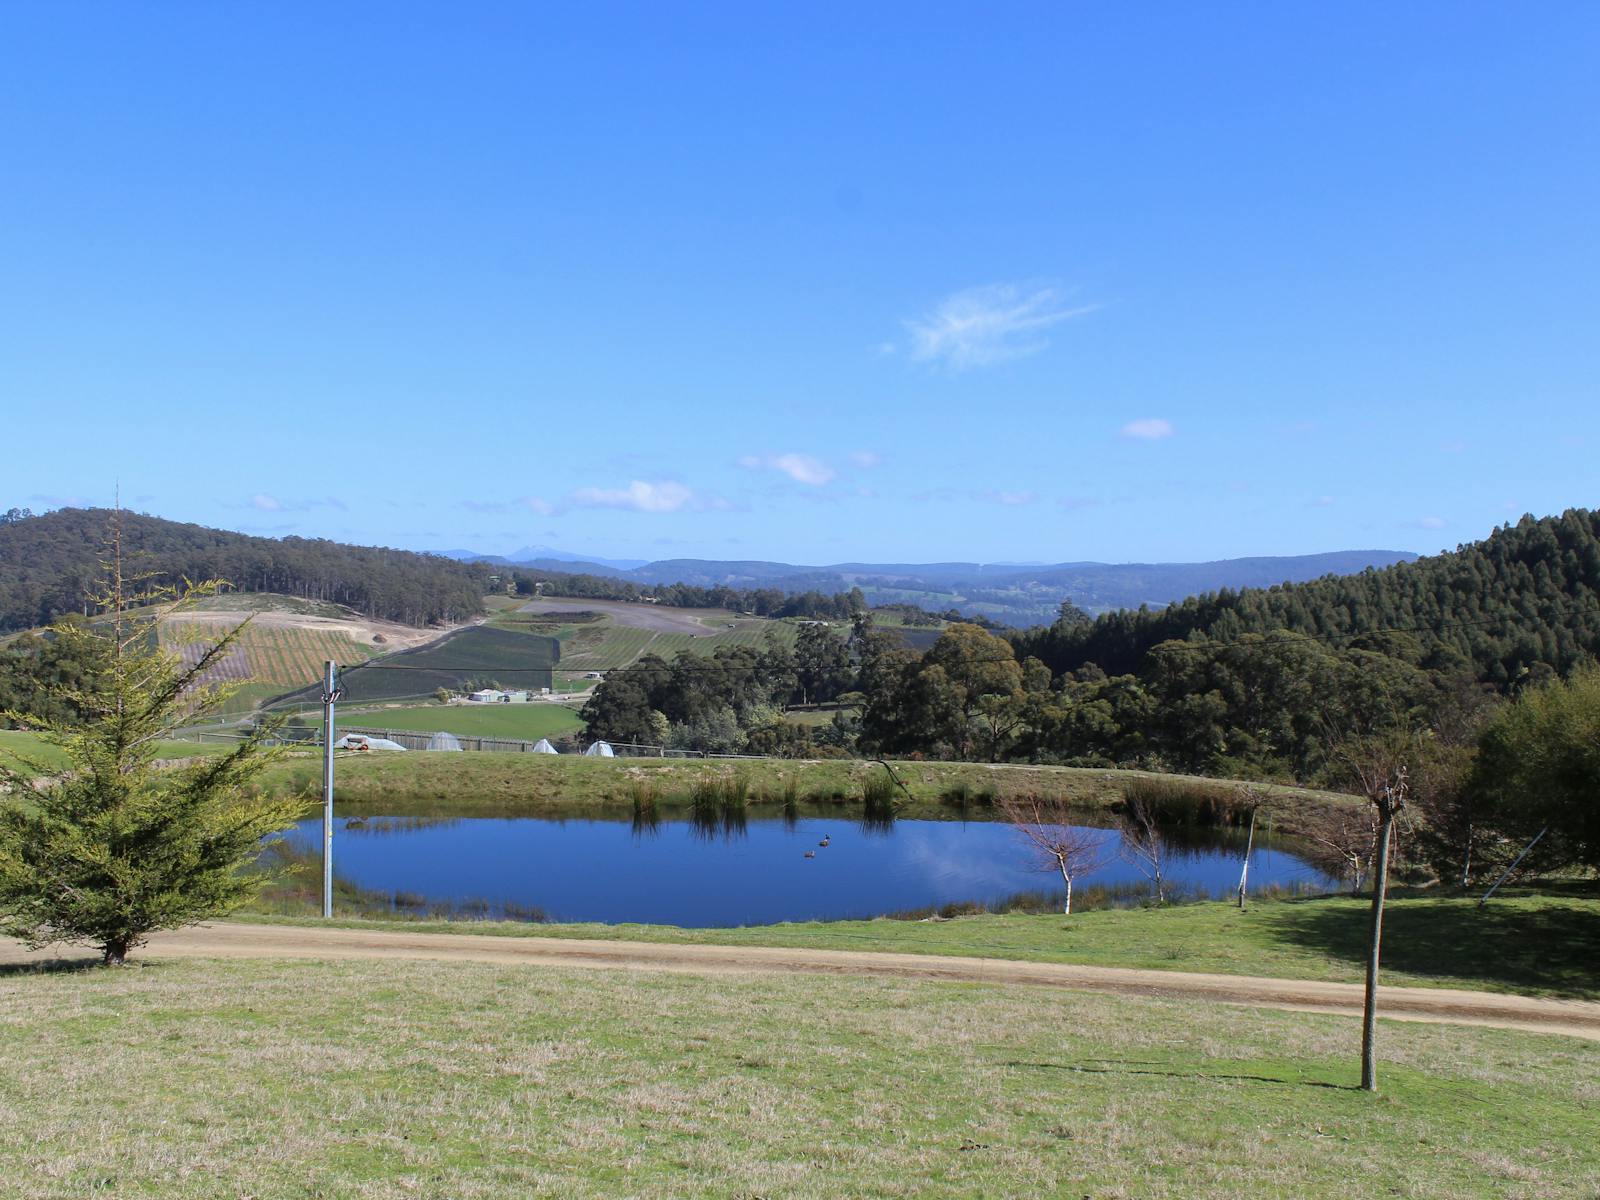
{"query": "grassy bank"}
{"type": "Point", "coordinates": [18, 749]}
{"type": "Point", "coordinates": [368, 1079]}
{"type": "Point", "coordinates": [1540, 944]}
{"type": "Point", "coordinates": [535, 785]}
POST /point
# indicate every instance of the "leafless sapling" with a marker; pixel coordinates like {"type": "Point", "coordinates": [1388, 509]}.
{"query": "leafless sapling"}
{"type": "Point", "coordinates": [1045, 823]}
{"type": "Point", "coordinates": [1142, 842]}
{"type": "Point", "coordinates": [1381, 767]}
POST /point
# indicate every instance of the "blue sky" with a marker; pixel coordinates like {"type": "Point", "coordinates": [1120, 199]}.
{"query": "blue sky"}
{"type": "Point", "coordinates": [812, 282]}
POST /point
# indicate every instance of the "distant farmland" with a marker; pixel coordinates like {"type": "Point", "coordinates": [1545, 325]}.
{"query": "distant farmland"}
{"type": "Point", "coordinates": [602, 635]}
{"type": "Point", "coordinates": [478, 655]}
{"type": "Point", "coordinates": [597, 635]}
{"type": "Point", "coordinates": [264, 654]}
{"type": "Point", "coordinates": [529, 722]}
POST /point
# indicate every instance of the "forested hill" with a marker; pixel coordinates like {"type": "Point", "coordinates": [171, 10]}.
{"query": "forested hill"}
{"type": "Point", "coordinates": [1527, 595]}
{"type": "Point", "coordinates": [49, 564]}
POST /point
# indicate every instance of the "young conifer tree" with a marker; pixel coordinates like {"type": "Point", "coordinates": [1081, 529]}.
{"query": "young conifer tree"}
{"type": "Point", "coordinates": [116, 847]}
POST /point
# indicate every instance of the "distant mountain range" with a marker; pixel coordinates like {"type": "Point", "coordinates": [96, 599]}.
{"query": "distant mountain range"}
{"type": "Point", "coordinates": [539, 554]}
{"type": "Point", "coordinates": [1017, 594]}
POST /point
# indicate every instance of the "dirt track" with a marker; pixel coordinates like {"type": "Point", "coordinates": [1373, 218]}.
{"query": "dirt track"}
{"type": "Point", "coordinates": [1575, 1018]}
{"type": "Point", "coordinates": [638, 616]}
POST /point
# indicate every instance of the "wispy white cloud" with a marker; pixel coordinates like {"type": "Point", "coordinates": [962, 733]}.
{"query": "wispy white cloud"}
{"type": "Point", "coordinates": [1148, 429]}
{"type": "Point", "coordinates": [266, 502]}
{"type": "Point", "coordinates": [986, 325]}
{"type": "Point", "coordinates": [866, 459]}
{"type": "Point", "coordinates": [802, 468]}
{"type": "Point", "coordinates": [641, 495]}
{"type": "Point", "coordinates": [951, 495]}
{"type": "Point", "coordinates": [1324, 502]}
{"type": "Point", "coordinates": [1013, 499]}
{"type": "Point", "coordinates": [1431, 522]}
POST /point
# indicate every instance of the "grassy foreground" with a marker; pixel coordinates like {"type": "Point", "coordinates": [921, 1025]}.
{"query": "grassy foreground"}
{"type": "Point", "coordinates": [375, 1080]}
{"type": "Point", "coordinates": [1534, 943]}
{"type": "Point", "coordinates": [538, 785]}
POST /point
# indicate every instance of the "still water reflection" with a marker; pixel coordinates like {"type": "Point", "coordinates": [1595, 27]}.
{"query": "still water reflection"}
{"type": "Point", "coordinates": [750, 872]}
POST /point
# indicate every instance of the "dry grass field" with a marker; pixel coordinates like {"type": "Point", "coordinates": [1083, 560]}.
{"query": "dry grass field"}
{"type": "Point", "coordinates": [384, 1080]}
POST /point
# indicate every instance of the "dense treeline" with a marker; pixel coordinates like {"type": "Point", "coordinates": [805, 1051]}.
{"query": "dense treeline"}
{"type": "Point", "coordinates": [48, 564]}
{"type": "Point", "coordinates": [760, 602]}
{"type": "Point", "coordinates": [1525, 601]}
{"type": "Point", "coordinates": [732, 700]}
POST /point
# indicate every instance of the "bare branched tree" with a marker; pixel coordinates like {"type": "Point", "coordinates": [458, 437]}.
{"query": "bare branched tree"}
{"type": "Point", "coordinates": [1342, 837]}
{"type": "Point", "coordinates": [1045, 823]}
{"type": "Point", "coordinates": [1255, 799]}
{"type": "Point", "coordinates": [1380, 767]}
{"type": "Point", "coordinates": [1142, 842]}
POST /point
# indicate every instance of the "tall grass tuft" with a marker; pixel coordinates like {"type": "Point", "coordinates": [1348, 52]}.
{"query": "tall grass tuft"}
{"type": "Point", "coordinates": [646, 797]}
{"type": "Point", "coordinates": [878, 796]}
{"type": "Point", "coordinates": [705, 800]}
{"type": "Point", "coordinates": [791, 802]}
{"type": "Point", "coordinates": [1179, 803]}
{"type": "Point", "coordinates": [735, 794]}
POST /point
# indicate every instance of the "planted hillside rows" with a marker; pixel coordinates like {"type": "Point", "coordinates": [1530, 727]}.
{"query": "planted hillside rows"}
{"type": "Point", "coordinates": [268, 654]}
{"type": "Point", "coordinates": [617, 646]}
{"type": "Point", "coordinates": [470, 657]}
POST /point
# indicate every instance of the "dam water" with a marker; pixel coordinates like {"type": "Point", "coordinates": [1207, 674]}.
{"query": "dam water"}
{"type": "Point", "coordinates": [760, 871]}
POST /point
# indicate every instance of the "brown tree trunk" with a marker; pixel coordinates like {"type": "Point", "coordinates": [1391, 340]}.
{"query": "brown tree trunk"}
{"type": "Point", "coordinates": [114, 953]}
{"type": "Point", "coordinates": [1380, 888]}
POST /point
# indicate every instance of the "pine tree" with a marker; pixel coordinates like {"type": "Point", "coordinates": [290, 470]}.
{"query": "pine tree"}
{"type": "Point", "coordinates": [117, 847]}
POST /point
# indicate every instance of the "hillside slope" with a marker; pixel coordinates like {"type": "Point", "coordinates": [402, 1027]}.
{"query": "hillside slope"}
{"type": "Point", "coordinates": [1523, 600]}
{"type": "Point", "coordinates": [49, 564]}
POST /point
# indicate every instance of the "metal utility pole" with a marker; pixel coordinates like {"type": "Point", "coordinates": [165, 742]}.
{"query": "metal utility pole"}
{"type": "Point", "coordinates": [1249, 845]}
{"type": "Point", "coordinates": [1515, 863]}
{"type": "Point", "coordinates": [330, 694]}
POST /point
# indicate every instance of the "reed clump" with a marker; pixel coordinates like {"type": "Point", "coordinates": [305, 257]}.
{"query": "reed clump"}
{"type": "Point", "coordinates": [646, 797]}
{"type": "Point", "coordinates": [1177, 803]}
{"type": "Point", "coordinates": [879, 794]}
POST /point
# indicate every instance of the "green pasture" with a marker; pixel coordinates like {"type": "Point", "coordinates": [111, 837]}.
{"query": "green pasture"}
{"type": "Point", "coordinates": [1529, 942]}
{"type": "Point", "coordinates": [473, 655]}
{"type": "Point", "coordinates": [190, 1079]}
{"type": "Point", "coordinates": [527, 721]}
{"type": "Point", "coordinates": [23, 752]}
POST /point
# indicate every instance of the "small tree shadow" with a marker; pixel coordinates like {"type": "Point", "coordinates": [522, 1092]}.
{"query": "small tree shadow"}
{"type": "Point", "coordinates": [1136, 1067]}
{"type": "Point", "coordinates": [1549, 949]}
{"type": "Point", "coordinates": [50, 966]}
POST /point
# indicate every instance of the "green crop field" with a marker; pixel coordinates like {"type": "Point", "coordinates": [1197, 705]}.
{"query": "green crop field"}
{"type": "Point", "coordinates": [529, 722]}
{"type": "Point", "coordinates": [474, 656]}
{"type": "Point", "coordinates": [604, 646]}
